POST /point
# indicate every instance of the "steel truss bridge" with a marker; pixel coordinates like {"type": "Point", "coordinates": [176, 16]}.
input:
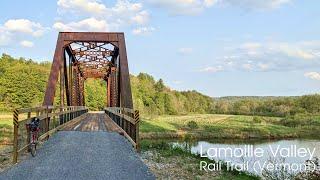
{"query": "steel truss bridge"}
{"type": "Point", "coordinates": [79, 56]}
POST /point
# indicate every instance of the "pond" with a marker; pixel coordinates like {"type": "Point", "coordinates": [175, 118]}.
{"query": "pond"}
{"type": "Point", "coordinates": [256, 156]}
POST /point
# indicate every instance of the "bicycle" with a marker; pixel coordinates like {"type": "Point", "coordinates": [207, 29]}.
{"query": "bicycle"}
{"type": "Point", "coordinates": [33, 128]}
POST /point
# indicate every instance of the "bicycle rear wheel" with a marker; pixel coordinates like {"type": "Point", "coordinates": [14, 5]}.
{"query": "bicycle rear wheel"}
{"type": "Point", "coordinates": [33, 149]}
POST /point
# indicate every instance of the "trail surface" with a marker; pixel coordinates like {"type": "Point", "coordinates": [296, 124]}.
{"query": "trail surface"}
{"type": "Point", "coordinates": [82, 155]}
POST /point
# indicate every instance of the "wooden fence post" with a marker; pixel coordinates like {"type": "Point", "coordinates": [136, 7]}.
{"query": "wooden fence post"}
{"type": "Point", "coordinates": [47, 121]}
{"type": "Point", "coordinates": [28, 132]}
{"type": "Point", "coordinates": [137, 138]}
{"type": "Point", "coordinates": [15, 135]}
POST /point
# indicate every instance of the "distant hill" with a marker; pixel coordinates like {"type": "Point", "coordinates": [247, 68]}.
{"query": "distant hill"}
{"type": "Point", "coordinates": [237, 98]}
{"type": "Point", "coordinates": [267, 105]}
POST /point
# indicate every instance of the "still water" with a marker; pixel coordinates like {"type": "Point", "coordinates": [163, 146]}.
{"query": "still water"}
{"type": "Point", "coordinates": [256, 156]}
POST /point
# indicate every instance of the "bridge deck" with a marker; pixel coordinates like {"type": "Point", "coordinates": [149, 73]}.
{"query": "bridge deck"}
{"type": "Point", "coordinates": [83, 155]}
{"type": "Point", "coordinates": [94, 122]}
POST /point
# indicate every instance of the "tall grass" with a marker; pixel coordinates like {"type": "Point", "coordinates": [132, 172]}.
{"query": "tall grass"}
{"type": "Point", "coordinates": [226, 126]}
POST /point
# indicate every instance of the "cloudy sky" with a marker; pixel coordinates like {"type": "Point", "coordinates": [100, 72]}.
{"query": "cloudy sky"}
{"type": "Point", "coordinates": [218, 47]}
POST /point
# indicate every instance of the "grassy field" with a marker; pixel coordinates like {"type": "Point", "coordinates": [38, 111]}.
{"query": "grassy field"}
{"type": "Point", "coordinates": [223, 126]}
{"type": "Point", "coordinates": [203, 126]}
{"type": "Point", "coordinates": [6, 128]}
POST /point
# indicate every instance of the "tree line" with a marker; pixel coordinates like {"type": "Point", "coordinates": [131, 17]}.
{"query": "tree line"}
{"type": "Point", "coordinates": [268, 106]}
{"type": "Point", "coordinates": [23, 83]}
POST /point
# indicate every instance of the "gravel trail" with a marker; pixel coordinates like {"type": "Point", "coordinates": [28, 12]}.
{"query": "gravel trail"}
{"type": "Point", "coordinates": [82, 156]}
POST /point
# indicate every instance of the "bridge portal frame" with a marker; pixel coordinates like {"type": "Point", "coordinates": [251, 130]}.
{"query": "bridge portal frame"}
{"type": "Point", "coordinates": [59, 66]}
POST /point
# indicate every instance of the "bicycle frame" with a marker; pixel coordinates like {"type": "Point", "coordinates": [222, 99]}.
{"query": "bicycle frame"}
{"type": "Point", "coordinates": [34, 136]}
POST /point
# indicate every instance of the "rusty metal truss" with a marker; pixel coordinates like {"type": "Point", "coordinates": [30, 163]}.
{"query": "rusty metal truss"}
{"type": "Point", "coordinates": [82, 55]}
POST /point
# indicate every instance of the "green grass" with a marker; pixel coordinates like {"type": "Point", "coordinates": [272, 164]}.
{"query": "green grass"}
{"type": "Point", "coordinates": [6, 122]}
{"type": "Point", "coordinates": [6, 128]}
{"type": "Point", "coordinates": [226, 126]}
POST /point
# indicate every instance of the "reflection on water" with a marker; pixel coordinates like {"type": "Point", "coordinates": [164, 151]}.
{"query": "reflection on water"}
{"type": "Point", "coordinates": [292, 153]}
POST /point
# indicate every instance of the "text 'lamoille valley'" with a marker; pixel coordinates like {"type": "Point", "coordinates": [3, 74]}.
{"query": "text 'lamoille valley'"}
{"type": "Point", "coordinates": [251, 151]}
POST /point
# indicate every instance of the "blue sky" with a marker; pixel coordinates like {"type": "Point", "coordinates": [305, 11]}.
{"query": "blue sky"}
{"type": "Point", "coordinates": [217, 47]}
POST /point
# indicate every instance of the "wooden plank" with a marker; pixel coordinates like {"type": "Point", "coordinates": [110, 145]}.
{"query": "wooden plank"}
{"type": "Point", "coordinates": [70, 124]}
{"type": "Point", "coordinates": [23, 148]}
{"type": "Point", "coordinates": [130, 119]}
{"type": "Point", "coordinates": [122, 132]}
{"type": "Point", "coordinates": [127, 118]}
{"type": "Point", "coordinates": [49, 133]}
{"type": "Point", "coordinates": [128, 110]}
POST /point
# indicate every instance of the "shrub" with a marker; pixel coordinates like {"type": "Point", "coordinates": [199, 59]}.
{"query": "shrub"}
{"type": "Point", "coordinates": [313, 170]}
{"type": "Point", "coordinates": [160, 145]}
{"type": "Point", "coordinates": [257, 119]}
{"type": "Point", "coordinates": [192, 125]}
{"type": "Point", "coordinates": [300, 120]}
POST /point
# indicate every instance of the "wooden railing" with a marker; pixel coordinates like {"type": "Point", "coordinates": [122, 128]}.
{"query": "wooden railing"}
{"type": "Point", "coordinates": [51, 119]}
{"type": "Point", "coordinates": [128, 121]}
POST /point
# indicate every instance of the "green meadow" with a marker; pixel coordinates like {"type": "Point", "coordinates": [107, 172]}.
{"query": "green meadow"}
{"type": "Point", "coordinates": [6, 128]}
{"type": "Point", "coordinates": [225, 126]}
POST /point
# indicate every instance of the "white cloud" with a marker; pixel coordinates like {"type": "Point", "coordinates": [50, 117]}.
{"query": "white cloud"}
{"type": "Point", "coordinates": [123, 13]}
{"type": "Point", "coordinates": [24, 26]}
{"type": "Point", "coordinates": [257, 4]}
{"type": "Point", "coordinates": [183, 7]}
{"type": "Point", "coordinates": [247, 66]}
{"type": "Point", "coordinates": [293, 51]}
{"type": "Point", "coordinates": [229, 63]}
{"type": "Point", "coordinates": [185, 50]}
{"type": "Point", "coordinates": [143, 30]}
{"type": "Point", "coordinates": [263, 66]}
{"type": "Point", "coordinates": [296, 50]}
{"type": "Point", "coordinates": [124, 7]}
{"type": "Point", "coordinates": [209, 3]}
{"type": "Point", "coordinates": [13, 30]}
{"type": "Point", "coordinates": [88, 6]}
{"type": "Point", "coordinates": [141, 18]}
{"type": "Point", "coordinates": [312, 75]}
{"type": "Point", "coordinates": [27, 44]}
{"type": "Point", "coordinates": [212, 69]}
{"type": "Point", "coordinates": [194, 7]}
{"type": "Point", "coordinates": [90, 24]}
{"type": "Point", "coordinates": [251, 45]}
{"type": "Point", "coordinates": [251, 48]}
{"type": "Point", "coordinates": [5, 37]}
{"type": "Point", "coordinates": [270, 56]}
{"type": "Point", "coordinates": [127, 13]}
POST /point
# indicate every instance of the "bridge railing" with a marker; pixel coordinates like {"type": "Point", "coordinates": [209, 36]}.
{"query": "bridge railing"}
{"type": "Point", "coordinates": [128, 120]}
{"type": "Point", "coordinates": [51, 119]}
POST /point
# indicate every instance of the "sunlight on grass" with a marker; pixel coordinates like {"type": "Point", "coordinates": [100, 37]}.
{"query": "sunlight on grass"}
{"type": "Point", "coordinates": [6, 128]}
{"type": "Point", "coordinates": [6, 119]}
{"type": "Point", "coordinates": [217, 125]}
{"type": "Point", "coordinates": [6, 122]}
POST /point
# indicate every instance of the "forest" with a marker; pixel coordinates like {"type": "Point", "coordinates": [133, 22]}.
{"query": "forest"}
{"type": "Point", "coordinates": [23, 82]}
